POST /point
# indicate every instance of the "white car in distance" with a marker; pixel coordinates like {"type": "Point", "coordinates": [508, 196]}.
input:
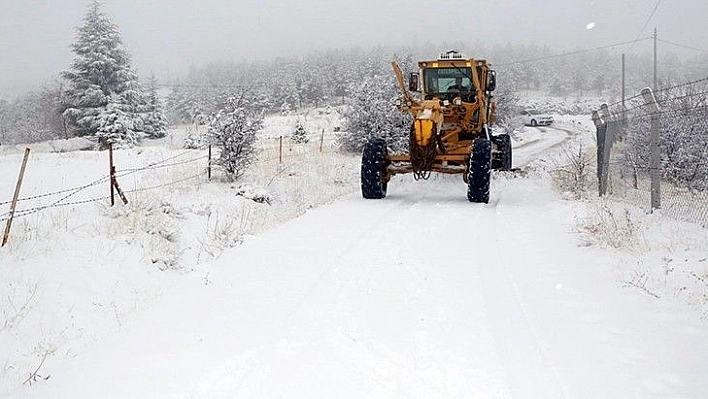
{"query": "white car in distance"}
{"type": "Point", "coordinates": [532, 117]}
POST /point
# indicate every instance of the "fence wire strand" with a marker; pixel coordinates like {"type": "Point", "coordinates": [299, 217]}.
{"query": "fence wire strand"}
{"type": "Point", "coordinates": [286, 157]}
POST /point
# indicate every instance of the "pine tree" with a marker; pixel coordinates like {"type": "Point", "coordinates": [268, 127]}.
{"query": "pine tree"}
{"type": "Point", "coordinates": [116, 125]}
{"type": "Point", "coordinates": [299, 135]}
{"type": "Point", "coordinates": [102, 86]}
{"type": "Point", "coordinates": [153, 115]}
{"type": "Point", "coordinates": [233, 130]}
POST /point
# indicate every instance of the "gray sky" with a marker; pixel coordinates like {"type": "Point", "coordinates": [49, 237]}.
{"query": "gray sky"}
{"type": "Point", "coordinates": [166, 37]}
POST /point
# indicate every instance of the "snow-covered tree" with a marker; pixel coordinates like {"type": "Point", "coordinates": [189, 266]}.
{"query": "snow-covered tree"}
{"type": "Point", "coordinates": [299, 135]}
{"type": "Point", "coordinates": [194, 140]}
{"type": "Point", "coordinates": [4, 110]}
{"type": "Point", "coordinates": [153, 115]}
{"type": "Point", "coordinates": [371, 112]}
{"type": "Point", "coordinates": [32, 117]}
{"type": "Point", "coordinates": [117, 125]}
{"type": "Point", "coordinates": [233, 129]}
{"type": "Point", "coordinates": [102, 86]}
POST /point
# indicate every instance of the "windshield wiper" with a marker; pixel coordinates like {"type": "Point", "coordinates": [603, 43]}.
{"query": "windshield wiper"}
{"type": "Point", "coordinates": [467, 75]}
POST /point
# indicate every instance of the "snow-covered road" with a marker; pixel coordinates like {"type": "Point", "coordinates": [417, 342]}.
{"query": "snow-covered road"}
{"type": "Point", "coordinates": [422, 294]}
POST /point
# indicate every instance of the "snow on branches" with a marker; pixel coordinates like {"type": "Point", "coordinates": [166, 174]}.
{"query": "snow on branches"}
{"type": "Point", "coordinates": [233, 129]}
{"type": "Point", "coordinates": [103, 97]}
{"type": "Point", "coordinates": [299, 135]}
{"type": "Point", "coordinates": [371, 112]}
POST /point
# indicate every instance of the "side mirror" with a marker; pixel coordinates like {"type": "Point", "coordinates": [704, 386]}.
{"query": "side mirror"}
{"type": "Point", "coordinates": [492, 80]}
{"type": "Point", "coordinates": [413, 81]}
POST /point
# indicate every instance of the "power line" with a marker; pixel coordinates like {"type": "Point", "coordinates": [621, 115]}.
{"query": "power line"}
{"type": "Point", "coordinates": [647, 21]}
{"type": "Point", "coordinates": [573, 52]}
{"type": "Point", "coordinates": [683, 46]}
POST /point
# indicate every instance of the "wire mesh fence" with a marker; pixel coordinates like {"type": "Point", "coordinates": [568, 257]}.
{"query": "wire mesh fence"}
{"type": "Point", "coordinates": [663, 136]}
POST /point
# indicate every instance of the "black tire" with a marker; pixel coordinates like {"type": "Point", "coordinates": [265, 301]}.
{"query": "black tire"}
{"type": "Point", "coordinates": [373, 169]}
{"type": "Point", "coordinates": [533, 122]}
{"type": "Point", "coordinates": [502, 159]}
{"type": "Point", "coordinates": [480, 171]}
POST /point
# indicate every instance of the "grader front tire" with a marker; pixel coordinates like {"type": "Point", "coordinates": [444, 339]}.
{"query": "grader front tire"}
{"type": "Point", "coordinates": [480, 171]}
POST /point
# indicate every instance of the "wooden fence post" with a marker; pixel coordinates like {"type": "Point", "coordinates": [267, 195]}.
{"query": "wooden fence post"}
{"type": "Point", "coordinates": [6, 235]}
{"type": "Point", "coordinates": [114, 182]}
{"type": "Point", "coordinates": [321, 140]}
{"type": "Point", "coordinates": [209, 164]}
{"type": "Point", "coordinates": [112, 172]}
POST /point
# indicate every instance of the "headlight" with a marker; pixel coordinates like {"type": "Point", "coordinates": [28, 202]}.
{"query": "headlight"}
{"type": "Point", "coordinates": [458, 101]}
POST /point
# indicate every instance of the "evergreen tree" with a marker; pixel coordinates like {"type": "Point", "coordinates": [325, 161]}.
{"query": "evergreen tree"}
{"type": "Point", "coordinates": [233, 129]}
{"type": "Point", "coordinates": [153, 115]}
{"type": "Point", "coordinates": [117, 125]}
{"type": "Point", "coordinates": [102, 87]}
{"type": "Point", "coordinates": [299, 135]}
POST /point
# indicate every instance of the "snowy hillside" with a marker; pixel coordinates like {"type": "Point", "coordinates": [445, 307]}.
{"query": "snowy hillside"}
{"type": "Point", "coordinates": [74, 274]}
{"type": "Point", "coordinates": [211, 289]}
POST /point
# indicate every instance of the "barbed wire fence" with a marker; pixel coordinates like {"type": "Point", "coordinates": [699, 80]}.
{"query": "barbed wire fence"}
{"type": "Point", "coordinates": [278, 157]}
{"type": "Point", "coordinates": [653, 150]}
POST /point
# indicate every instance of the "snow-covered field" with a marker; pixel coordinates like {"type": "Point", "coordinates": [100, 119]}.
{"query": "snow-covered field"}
{"type": "Point", "coordinates": [211, 289]}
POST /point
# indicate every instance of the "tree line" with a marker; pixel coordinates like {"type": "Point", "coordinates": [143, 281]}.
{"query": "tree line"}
{"type": "Point", "coordinates": [101, 97]}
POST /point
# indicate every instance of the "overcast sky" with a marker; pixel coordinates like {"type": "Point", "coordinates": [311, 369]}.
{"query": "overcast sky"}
{"type": "Point", "coordinates": [167, 36]}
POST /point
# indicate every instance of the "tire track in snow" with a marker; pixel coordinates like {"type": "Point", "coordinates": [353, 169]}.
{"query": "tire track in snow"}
{"type": "Point", "coordinates": [530, 369]}
{"type": "Point", "coordinates": [526, 152]}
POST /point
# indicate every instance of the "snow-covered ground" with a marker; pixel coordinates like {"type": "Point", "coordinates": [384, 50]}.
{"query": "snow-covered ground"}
{"type": "Point", "coordinates": [199, 289]}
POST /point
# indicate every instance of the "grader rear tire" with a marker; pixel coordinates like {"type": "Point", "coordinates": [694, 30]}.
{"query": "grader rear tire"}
{"type": "Point", "coordinates": [373, 169]}
{"type": "Point", "coordinates": [503, 159]}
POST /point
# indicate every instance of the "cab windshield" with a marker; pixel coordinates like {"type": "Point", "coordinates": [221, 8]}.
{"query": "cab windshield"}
{"type": "Point", "coordinates": [444, 80]}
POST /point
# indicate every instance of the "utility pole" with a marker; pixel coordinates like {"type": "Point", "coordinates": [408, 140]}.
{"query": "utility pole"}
{"type": "Point", "coordinates": [623, 83]}
{"type": "Point", "coordinates": [655, 84]}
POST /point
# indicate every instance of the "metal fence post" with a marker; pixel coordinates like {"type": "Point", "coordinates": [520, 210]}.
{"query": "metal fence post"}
{"type": "Point", "coordinates": [655, 165]}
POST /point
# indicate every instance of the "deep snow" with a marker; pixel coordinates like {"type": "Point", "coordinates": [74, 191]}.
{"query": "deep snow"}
{"type": "Point", "coordinates": [421, 294]}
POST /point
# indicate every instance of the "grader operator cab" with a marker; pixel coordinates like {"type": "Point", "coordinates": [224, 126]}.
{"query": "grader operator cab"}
{"type": "Point", "coordinates": [451, 110]}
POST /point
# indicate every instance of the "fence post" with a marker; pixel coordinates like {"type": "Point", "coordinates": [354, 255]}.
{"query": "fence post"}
{"type": "Point", "coordinates": [209, 164]}
{"type": "Point", "coordinates": [280, 151]}
{"type": "Point", "coordinates": [112, 172]}
{"type": "Point", "coordinates": [601, 129]}
{"type": "Point", "coordinates": [6, 235]}
{"type": "Point", "coordinates": [655, 164]}
{"type": "Point", "coordinates": [321, 140]}
{"type": "Point", "coordinates": [114, 181]}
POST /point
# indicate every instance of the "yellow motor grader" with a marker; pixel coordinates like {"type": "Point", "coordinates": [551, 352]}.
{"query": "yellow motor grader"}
{"type": "Point", "coordinates": [452, 108]}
